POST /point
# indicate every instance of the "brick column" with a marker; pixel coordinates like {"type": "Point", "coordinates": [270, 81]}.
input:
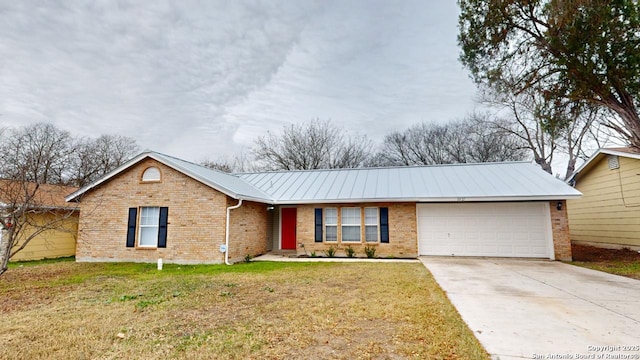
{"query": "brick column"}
{"type": "Point", "coordinates": [560, 231]}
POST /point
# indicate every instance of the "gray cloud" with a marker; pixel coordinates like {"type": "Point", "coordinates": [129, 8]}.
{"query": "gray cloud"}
{"type": "Point", "coordinates": [203, 78]}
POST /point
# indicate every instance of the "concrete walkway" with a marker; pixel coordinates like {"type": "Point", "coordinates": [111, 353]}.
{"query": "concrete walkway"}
{"type": "Point", "coordinates": [530, 309]}
{"type": "Point", "coordinates": [285, 257]}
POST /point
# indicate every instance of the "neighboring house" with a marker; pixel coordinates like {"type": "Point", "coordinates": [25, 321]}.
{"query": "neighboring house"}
{"type": "Point", "coordinates": [157, 206]}
{"type": "Point", "coordinates": [48, 206]}
{"type": "Point", "coordinates": [608, 214]}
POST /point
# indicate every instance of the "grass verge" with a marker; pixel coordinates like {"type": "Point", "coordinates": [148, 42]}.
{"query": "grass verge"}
{"type": "Point", "coordinates": [623, 262]}
{"type": "Point", "coordinates": [255, 310]}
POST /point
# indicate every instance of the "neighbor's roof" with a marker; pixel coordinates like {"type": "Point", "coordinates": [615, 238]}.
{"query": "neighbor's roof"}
{"type": "Point", "coordinates": [628, 152]}
{"type": "Point", "coordinates": [46, 195]}
{"type": "Point", "coordinates": [437, 183]}
{"type": "Point", "coordinates": [227, 184]}
{"type": "Point", "coordinates": [510, 181]}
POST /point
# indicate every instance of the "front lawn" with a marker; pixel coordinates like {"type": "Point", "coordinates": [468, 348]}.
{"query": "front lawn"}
{"type": "Point", "coordinates": [67, 310]}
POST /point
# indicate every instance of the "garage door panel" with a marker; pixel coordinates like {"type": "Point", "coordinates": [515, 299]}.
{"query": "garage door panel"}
{"type": "Point", "coordinates": [484, 229]}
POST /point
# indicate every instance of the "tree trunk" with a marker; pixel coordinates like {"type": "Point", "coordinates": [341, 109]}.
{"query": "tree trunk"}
{"type": "Point", "coordinates": [629, 116]}
{"type": "Point", "coordinates": [571, 167]}
{"type": "Point", "coordinates": [5, 250]}
{"type": "Point", "coordinates": [543, 164]}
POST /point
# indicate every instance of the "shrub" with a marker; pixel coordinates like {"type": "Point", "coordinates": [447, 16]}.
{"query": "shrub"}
{"type": "Point", "coordinates": [330, 252]}
{"type": "Point", "coordinates": [370, 250]}
{"type": "Point", "coordinates": [247, 258]}
{"type": "Point", "coordinates": [350, 251]}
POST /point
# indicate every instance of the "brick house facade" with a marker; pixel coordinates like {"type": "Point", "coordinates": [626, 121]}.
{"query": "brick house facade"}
{"type": "Point", "coordinates": [159, 207]}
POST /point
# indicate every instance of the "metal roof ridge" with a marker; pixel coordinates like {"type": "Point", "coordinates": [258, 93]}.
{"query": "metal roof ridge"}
{"type": "Point", "coordinates": [385, 167]}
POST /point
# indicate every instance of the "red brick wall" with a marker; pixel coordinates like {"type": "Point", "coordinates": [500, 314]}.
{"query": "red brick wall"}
{"type": "Point", "coordinates": [196, 222]}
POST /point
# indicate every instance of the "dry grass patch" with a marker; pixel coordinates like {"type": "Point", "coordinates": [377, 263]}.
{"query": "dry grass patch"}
{"type": "Point", "coordinates": [257, 310]}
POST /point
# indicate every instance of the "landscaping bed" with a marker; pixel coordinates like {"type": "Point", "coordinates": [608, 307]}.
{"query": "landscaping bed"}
{"type": "Point", "coordinates": [623, 262]}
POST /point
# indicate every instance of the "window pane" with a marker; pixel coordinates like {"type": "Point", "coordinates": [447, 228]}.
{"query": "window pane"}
{"type": "Point", "coordinates": [371, 216]}
{"type": "Point", "coordinates": [371, 233]}
{"type": "Point", "coordinates": [331, 216]}
{"type": "Point", "coordinates": [148, 236]}
{"type": "Point", "coordinates": [350, 216]}
{"type": "Point", "coordinates": [351, 233]}
{"type": "Point", "coordinates": [151, 174]}
{"type": "Point", "coordinates": [331, 233]}
{"type": "Point", "coordinates": [149, 221]}
{"type": "Point", "coordinates": [149, 216]}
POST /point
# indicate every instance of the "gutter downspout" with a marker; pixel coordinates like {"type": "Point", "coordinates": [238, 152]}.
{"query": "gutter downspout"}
{"type": "Point", "coordinates": [226, 253]}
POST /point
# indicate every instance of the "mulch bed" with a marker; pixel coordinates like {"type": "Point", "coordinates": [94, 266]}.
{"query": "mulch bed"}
{"type": "Point", "coordinates": [594, 254]}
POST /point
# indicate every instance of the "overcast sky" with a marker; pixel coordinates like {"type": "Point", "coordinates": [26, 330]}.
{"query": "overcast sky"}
{"type": "Point", "coordinates": [203, 79]}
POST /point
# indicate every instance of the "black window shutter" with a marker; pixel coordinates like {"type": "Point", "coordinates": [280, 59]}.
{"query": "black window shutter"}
{"type": "Point", "coordinates": [131, 228]}
{"type": "Point", "coordinates": [318, 225]}
{"type": "Point", "coordinates": [384, 225]}
{"type": "Point", "coordinates": [162, 230]}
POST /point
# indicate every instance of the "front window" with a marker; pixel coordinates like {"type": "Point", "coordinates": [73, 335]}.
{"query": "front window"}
{"type": "Point", "coordinates": [350, 224]}
{"type": "Point", "coordinates": [371, 224]}
{"type": "Point", "coordinates": [149, 224]}
{"type": "Point", "coordinates": [331, 224]}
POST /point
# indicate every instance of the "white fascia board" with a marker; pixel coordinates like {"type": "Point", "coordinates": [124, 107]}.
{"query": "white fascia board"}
{"type": "Point", "coordinates": [596, 155]}
{"type": "Point", "coordinates": [180, 169]}
{"type": "Point", "coordinates": [205, 181]}
{"type": "Point", "coordinates": [432, 200]}
{"type": "Point", "coordinates": [108, 176]}
{"type": "Point", "coordinates": [620, 153]}
{"type": "Point", "coordinates": [168, 163]}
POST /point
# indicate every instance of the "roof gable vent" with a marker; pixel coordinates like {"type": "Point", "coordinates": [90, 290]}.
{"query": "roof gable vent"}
{"type": "Point", "coordinates": [613, 162]}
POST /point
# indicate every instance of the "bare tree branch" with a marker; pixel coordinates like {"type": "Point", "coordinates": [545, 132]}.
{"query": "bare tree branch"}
{"type": "Point", "coordinates": [313, 145]}
{"type": "Point", "coordinates": [465, 141]}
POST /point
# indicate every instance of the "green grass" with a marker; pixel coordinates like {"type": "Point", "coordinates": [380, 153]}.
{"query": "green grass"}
{"type": "Point", "coordinates": [623, 268]}
{"type": "Point", "coordinates": [17, 264]}
{"type": "Point", "coordinates": [67, 310]}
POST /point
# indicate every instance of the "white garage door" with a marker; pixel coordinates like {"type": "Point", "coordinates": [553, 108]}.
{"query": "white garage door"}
{"type": "Point", "coordinates": [518, 229]}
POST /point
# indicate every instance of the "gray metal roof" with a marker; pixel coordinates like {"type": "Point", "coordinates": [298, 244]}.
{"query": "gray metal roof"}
{"type": "Point", "coordinates": [227, 184]}
{"type": "Point", "coordinates": [509, 181]}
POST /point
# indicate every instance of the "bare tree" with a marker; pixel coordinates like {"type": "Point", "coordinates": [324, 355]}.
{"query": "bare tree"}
{"type": "Point", "coordinates": [30, 158]}
{"type": "Point", "coordinates": [37, 153]}
{"type": "Point", "coordinates": [44, 154]}
{"type": "Point", "coordinates": [237, 163]}
{"type": "Point", "coordinates": [35, 161]}
{"type": "Point", "coordinates": [94, 158]}
{"type": "Point", "coordinates": [545, 127]}
{"type": "Point", "coordinates": [464, 141]}
{"type": "Point", "coordinates": [29, 210]}
{"type": "Point", "coordinates": [220, 165]}
{"type": "Point", "coordinates": [313, 145]}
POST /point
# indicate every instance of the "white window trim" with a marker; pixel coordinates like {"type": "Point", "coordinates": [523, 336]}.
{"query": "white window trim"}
{"type": "Point", "coordinates": [376, 224]}
{"type": "Point", "coordinates": [156, 226]}
{"type": "Point", "coordinates": [326, 225]}
{"type": "Point", "coordinates": [151, 171]}
{"type": "Point", "coordinates": [343, 225]}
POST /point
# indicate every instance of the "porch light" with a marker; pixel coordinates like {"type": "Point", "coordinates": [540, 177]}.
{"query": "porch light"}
{"type": "Point", "coordinates": [559, 205]}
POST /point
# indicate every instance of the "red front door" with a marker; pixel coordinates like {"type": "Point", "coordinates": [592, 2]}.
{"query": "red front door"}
{"type": "Point", "coordinates": [288, 228]}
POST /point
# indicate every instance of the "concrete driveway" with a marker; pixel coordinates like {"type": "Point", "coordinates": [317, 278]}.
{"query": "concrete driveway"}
{"type": "Point", "coordinates": [536, 309]}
